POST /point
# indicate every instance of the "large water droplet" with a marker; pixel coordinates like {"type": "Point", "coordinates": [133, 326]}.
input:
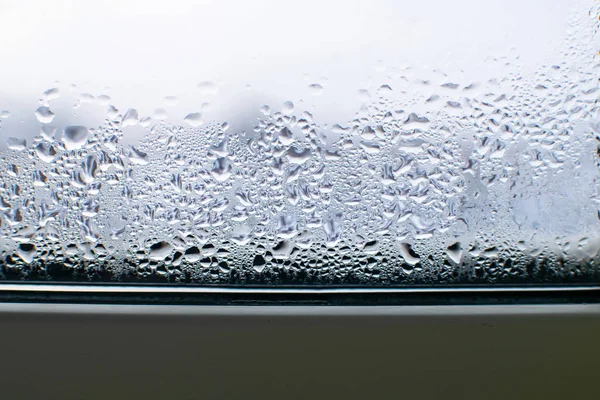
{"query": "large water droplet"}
{"type": "Point", "coordinates": [26, 252]}
{"type": "Point", "coordinates": [137, 156]}
{"type": "Point", "coordinates": [408, 254]}
{"type": "Point", "coordinates": [286, 137]}
{"type": "Point", "coordinates": [159, 251]}
{"type": "Point", "coordinates": [44, 115]}
{"type": "Point", "coordinates": [287, 226]}
{"type": "Point", "coordinates": [221, 169]}
{"type": "Point", "coordinates": [288, 107]}
{"type": "Point", "coordinates": [241, 235]}
{"type": "Point", "coordinates": [455, 252]}
{"type": "Point", "coordinates": [16, 143]}
{"type": "Point", "coordinates": [296, 156]}
{"type": "Point", "coordinates": [75, 137]}
{"type": "Point", "coordinates": [194, 119]}
{"type": "Point", "coordinates": [332, 226]}
{"type": "Point", "coordinates": [51, 94]}
{"type": "Point", "coordinates": [45, 151]}
{"type": "Point", "coordinates": [130, 118]}
{"type": "Point", "coordinates": [160, 114]}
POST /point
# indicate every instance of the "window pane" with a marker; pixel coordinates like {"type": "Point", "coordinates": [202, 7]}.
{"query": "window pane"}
{"type": "Point", "coordinates": [361, 143]}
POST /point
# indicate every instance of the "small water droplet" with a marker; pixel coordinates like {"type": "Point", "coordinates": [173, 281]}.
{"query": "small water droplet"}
{"type": "Point", "coordinates": [170, 101]}
{"type": "Point", "coordinates": [208, 87]}
{"type": "Point", "coordinates": [315, 89]}
{"type": "Point", "coordinates": [4, 114]}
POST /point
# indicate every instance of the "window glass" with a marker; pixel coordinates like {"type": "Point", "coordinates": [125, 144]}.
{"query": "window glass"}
{"type": "Point", "coordinates": [380, 143]}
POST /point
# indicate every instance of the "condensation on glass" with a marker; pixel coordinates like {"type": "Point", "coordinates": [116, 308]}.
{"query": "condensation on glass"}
{"type": "Point", "coordinates": [300, 143]}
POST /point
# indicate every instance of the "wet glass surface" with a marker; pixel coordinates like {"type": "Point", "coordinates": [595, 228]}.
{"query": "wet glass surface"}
{"type": "Point", "coordinates": [388, 144]}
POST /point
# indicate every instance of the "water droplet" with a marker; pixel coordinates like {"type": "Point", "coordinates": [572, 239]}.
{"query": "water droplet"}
{"type": "Point", "coordinates": [287, 226]}
{"type": "Point", "coordinates": [51, 94]}
{"type": "Point", "coordinates": [450, 85]}
{"type": "Point", "coordinates": [384, 89]}
{"type": "Point", "coordinates": [332, 226]}
{"type": "Point", "coordinates": [87, 98]}
{"type": "Point", "coordinates": [170, 101]}
{"type": "Point", "coordinates": [297, 156]}
{"type": "Point", "coordinates": [112, 112]}
{"type": "Point", "coordinates": [208, 88]}
{"type": "Point", "coordinates": [103, 100]}
{"type": "Point", "coordinates": [130, 118]}
{"type": "Point", "coordinates": [315, 89]}
{"type": "Point", "coordinates": [194, 119]}
{"type": "Point", "coordinates": [371, 247]}
{"type": "Point", "coordinates": [282, 250]}
{"type": "Point", "coordinates": [192, 254]}
{"type": "Point", "coordinates": [26, 252]}
{"type": "Point", "coordinates": [16, 143]}
{"type": "Point", "coordinates": [266, 110]}
{"type": "Point", "coordinates": [4, 114]}
{"type": "Point", "coordinates": [364, 95]}
{"type": "Point", "coordinates": [75, 137]}
{"type": "Point", "coordinates": [286, 137]}
{"type": "Point", "coordinates": [45, 151]}
{"type": "Point", "coordinates": [44, 115]}
{"type": "Point", "coordinates": [455, 252]}
{"type": "Point", "coordinates": [221, 169]}
{"type": "Point", "coordinates": [241, 235]}
{"type": "Point", "coordinates": [159, 251]}
{"type": "Point", "coordinates": [288, 107]}
{"type": "Point", "coordinates": [160, 114]}
{"type": "Point", "coordinates": [137, 156]}
{"type": "Point", "coordinates": [408, 254]}
{"type": "Point", "coordinates": [259, 263]}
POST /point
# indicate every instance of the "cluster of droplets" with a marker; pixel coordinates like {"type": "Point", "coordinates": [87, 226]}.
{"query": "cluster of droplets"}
{"type": "Point", "coordinates": [450, 181]}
